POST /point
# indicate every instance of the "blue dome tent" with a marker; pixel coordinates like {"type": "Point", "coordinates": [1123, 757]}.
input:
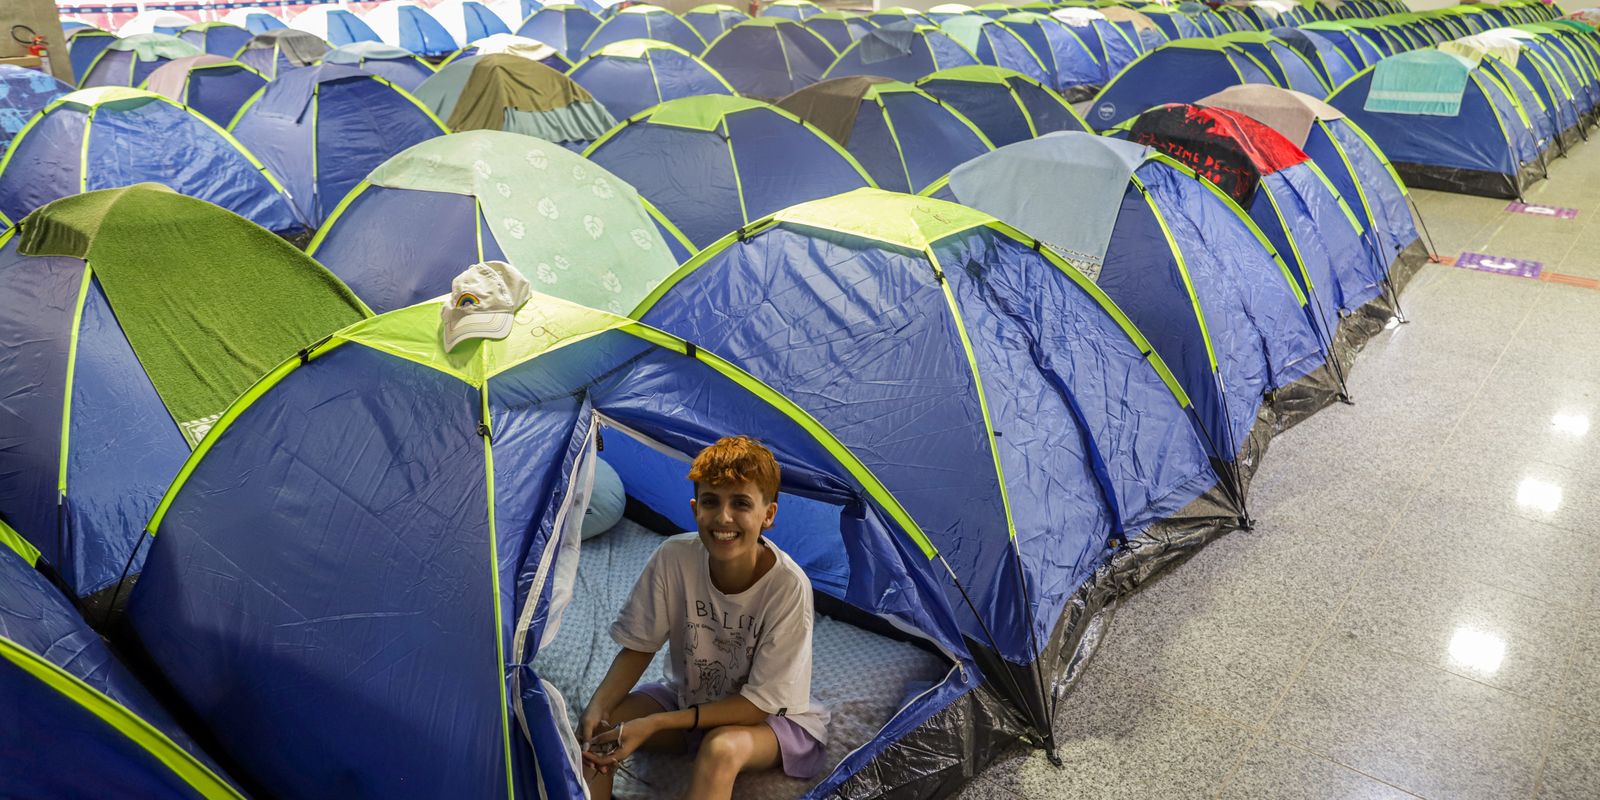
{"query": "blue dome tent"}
{"type": "Point", "coordinates": [1483, 148]}
{"type": "Point", "coordinates": [403, 233]}
{"type": "Point", "coordinates": [714, 163]}
{"type": "Point", "coordinates": [116, 377]}
{"type": "Point", "coordinates": [630, 76]}
{"type": "Point", "coordinates": [1291, 199]}
{"type": "Point", "coordinates": [645, 22]}
{"type": "Point", "coordinates": [563, 26]}
{"type": "Point", "coordinates": [334, 25]}
{"type": "Point", "coordinates": [277, 52]}
{"type": "Point", "coordinates": [1174, 23]}
{"type": "Point", "coordinates": [409, 26]}
{"type": "Point", "coordinates": [929, 337]}
{"type": "Point", "coordinates": [127, 62]}
{"type": "Point", "coordinates": [67, 696]}
{"type": "Point", "coordinates": [23, 93]}
{"type": "Point", "coordinates": [838, 28]}
{"type": "Point", "coordinates": [1331, 64]}
{"type": "Point", "coordinates": [467, 596]}
{"type": "Point", "coordinates": [212, 85]}
{"type": "Point", "coordinates": [1180, 258]}
{"type": "Point", "coordinates": [769, 57]}
{"type": "Point", "coordinates": [1356, 46]}
{"type": "Point", "coordinates": [324, 148]}
{"type": "Point", "coordinates": [469, 20]}
{"type": "Point", "coordinates": [395, 64]}
{"type": "Point", "coordinates": [216, 38]}
{"type": "Point", "coordinates": [1287, 66]}
{"type": "Point", "coordinates": [1007, 106]}
{"type": "Point", "coordinates": [997, 46]}
{"type": "Point", "coordinates": [1353, 164]}
{"type": "Point", "coordinates": [711, 19]}
{"type": "Point", "coordinates": [1112, 46]}
{"type": "Point", "coordinates": [115, 136]}
{"type": "Point", "coordinates": [903, 137]}
{"type": "Point", "coordinates": [899, 15]}
{"type": "Point", "coordinates": [1071, 68]}
{"type": "Point", "coordinates": [1177, 72]}
{"type": "Point", "coordinates": [255, 20]}
{"type": "Point", "coordinates": [901, 53]}
{"type": "Point", "coordinates": [506, 92]}
{"type": "Point", "coordinates": [84, 46]}
{"type": "Point", "coordinates": [797, 10]}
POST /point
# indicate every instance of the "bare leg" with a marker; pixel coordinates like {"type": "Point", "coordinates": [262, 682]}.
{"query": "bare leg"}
{"type": "Point", "coordinates": [728, 751]}
{"type": "Point", "coordinates": [634, 706]}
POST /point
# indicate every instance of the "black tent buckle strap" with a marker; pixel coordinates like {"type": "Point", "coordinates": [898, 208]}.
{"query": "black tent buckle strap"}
{"type": "Point", "coordinates": [690, 350]}
{"type": "Point", "coordinates": [485, 433]}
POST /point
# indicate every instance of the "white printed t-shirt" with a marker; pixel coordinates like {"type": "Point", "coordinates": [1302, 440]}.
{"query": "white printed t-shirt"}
{"type": "Point", "coordinates": [756, 643]}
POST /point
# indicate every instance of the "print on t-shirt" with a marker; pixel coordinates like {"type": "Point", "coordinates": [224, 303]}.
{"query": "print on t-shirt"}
{"type": "Point", "coordinates": [733, 646]}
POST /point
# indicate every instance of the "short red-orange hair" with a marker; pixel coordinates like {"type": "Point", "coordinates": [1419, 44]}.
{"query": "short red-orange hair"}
{"type": "Point", "coordinates": [736, 459]}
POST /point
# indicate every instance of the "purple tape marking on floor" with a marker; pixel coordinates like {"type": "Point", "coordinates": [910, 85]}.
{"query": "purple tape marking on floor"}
{"type": "Point", "coordinates": [1554, 212]}
{"type": "Point", "coordinates": [1500, 265]}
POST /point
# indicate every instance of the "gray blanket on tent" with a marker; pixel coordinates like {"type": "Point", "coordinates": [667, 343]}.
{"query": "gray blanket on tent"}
{"type": "Point", "coordinates": [861, 677]}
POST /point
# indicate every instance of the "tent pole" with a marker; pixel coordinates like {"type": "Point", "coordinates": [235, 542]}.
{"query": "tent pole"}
{"type": "Point", "coordinates": [1433, 251]}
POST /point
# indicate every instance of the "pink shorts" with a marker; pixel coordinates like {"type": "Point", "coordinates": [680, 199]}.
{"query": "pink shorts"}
{"type": "Point", "coordinates": [802, 755]}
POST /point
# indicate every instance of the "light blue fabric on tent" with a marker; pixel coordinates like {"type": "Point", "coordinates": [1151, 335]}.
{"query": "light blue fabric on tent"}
{"type": "Point", "coordinates": [127, 62]}
{"type": "Point", "coordinates": [1094, 446]}
{"type": "Point", "coordinates": [711, 20]}
{"type": "Point", "coordinates": [262, 22]}
{"type": "Point", "coordinates": [216, 39]}
{"type": "Point", "coordinates": [463, 595]}
{"type": "Point", "coordinates": [420, 33]}
{"type": "Point", "coordinates": [1072, 69]}
{"type": "Point", "coordinates": [1178, 72]}
{"type": "Point", "coordinates": [996, 45]}
{"type": "Point", "coordinates": [798, 12]}
{"type": "Point", "coordinates": [742, 160]}
{"type": "Point", "coordinates": [563, 26]}
{"type": "Point", "coordinates": [901, 54]}
{"type": "Point", "coordinates": [344, 27]}
{"type": "Point", "coordinates": [1110, 203]}
{"type": "Point", "coordinates": [767, 58]}
{"type": "Point", "coordinates": [645, 22]}
{"type": "Point", "coordinates": [23, 93]}
{"type": "Point", "coordinates": [839, 32]}
{"type": "Point", "coordinates": [627, 79]}
{"type": "Point", "coordinates": [1427, 82]}
{"type": "Point", "coordinates": [63, 689]}
{"type": "Point", "coordinates": [1006, 106]}
{"type": "Point", "coordinates": [133, 137]}
{"type": "Point", "coordinates": [394, 64]}
{"type": "Point", "coordinates": [322, 150]}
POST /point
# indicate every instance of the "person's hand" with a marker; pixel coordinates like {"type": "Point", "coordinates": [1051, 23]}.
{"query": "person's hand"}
{"type": "Point", "coordinates": [614, 745]}
{"type": "Point", "coordinates": [592, 722]}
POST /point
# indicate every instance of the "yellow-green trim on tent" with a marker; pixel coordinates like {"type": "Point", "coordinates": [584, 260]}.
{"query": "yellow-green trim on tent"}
{"type": "Point", "coordinates": [13, 541]}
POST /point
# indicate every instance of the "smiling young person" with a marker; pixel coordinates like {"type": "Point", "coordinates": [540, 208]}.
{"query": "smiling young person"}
{"type": "Point", "coordinates": [736, 615]}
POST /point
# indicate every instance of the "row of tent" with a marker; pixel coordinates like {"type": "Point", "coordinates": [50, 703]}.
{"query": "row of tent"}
{"type": "Point", "coordinates": [328, 513]}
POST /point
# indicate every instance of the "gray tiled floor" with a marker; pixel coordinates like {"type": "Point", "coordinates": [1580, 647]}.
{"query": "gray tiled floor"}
{"type": "Point", "coordinates": [1418, 612]}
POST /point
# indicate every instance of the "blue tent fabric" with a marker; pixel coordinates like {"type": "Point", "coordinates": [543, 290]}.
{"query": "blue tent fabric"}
{"type": "Point", "coordinates": [219, 92]}
{"type": "Point", "coordinates": [1331, 64]}
{"type": "Point", "coordinates": [628, 81]}
{"type": "Point", "coordinates": [23, 93]}
{"type": "Point", "coordinates": [276, 52]}
{"type": "Point", "coordinates": [765, 60]}
{"type": "Point", "coordinates": [900, 54]}
{"type": "Point", "coordinates": [565, 27]}
{"type": "Point", "coordinates": [418, 32]}
{"type": "Point", "coordinates": [177, 147]}
{"type": "Point", "coordinates": [996, 45]}
{"type": "Point", "coordinates": [218, 40]}
{"type": "Point", "coordinates": [1007, 107]}
{"type": "Point", "coordinates": [1071, 68]}
{"type": "Point", "coordinates": [83, 46]}
{"type": "Point", "coordinates": [839, 32]}
{"type": "Point", "coordinates": [394, 64]}
{"type": "Point", "coordinates": [322, 152]}
{"type": "Point", "coordinates": [755, 161]}
{"type": "Point", "coordinates": [711, 20]}
{"type": "Point", "coordinates": [645, 22]}
{"type": "Point", "coordinates": [117, 66]}
{"type": "Point", "coordinates": [1288, 68]}
{"type": "Point", "coordinates": [262, 22]}
{"type": "Point", "coordinates": [878, 360]}
{"type": "Point", "coordinates": [459, 594]}
{"type": "Point", "coordinates": [1359, 174]}
{"type": "Point", "coordinates": [68, 747]}
{"type": "Point", "coordinates": [1172, 73]}
{"type": "Point", "coordinates": [798, 12]}
{"type": "Point", "coordinates": [1113, 47]}
{"type": "Point", "coordinates": [904, 138]}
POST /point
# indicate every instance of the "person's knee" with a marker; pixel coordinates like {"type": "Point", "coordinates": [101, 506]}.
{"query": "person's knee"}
{"type": "Point", "coordinates": [724, 749]}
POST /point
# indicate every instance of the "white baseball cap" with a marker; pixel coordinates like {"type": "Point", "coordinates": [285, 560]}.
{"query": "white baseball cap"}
{"type": "Point", "coordinates": [483, 302]}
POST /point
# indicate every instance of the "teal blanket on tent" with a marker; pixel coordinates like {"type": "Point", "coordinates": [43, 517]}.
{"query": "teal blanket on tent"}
{"type": "Point", "coordinates": [1427, 82]}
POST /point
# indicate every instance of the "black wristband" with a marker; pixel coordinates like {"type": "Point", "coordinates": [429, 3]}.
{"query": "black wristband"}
{"type": "Point", "coordinates": [696, 725]}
